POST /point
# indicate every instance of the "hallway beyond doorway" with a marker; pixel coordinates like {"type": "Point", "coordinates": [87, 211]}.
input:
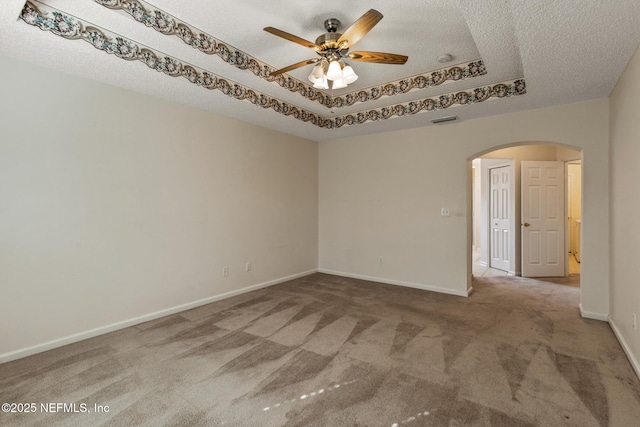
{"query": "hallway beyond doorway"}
{"type": "Point", "coordinates": [481, 270]}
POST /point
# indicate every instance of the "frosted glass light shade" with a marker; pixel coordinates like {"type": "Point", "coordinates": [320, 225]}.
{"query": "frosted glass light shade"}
{"type": "Point", "coordinates": [334, 72]}
{"type": "Point", "coordinates": [348, 75]}
{"type": "Point", "coordinates": [338, 84]}
{"type": "Point", "coordinates": [321, 83]}
{"type": "Point", "coordinates": [316, 74]}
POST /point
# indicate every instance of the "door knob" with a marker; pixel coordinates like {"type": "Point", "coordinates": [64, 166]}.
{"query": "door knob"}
{"type": "Point", "coordinates": [526, 224]}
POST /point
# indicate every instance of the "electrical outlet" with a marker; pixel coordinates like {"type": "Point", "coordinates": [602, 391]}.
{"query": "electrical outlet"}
{"type": "Point", "coordinates": [379, 260]}
{"type": "Point", "coordinates": [635, 325]}
{"type": "Point", "coordinates": [225, 271]}
{"type": "Point", "coordinates": [247, 267]}
{"type": "Point", "coordinates": [445, 212]}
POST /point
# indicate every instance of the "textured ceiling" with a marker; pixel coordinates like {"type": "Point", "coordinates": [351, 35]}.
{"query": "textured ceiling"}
{"type": "Point", "coordinates": [566, 51]}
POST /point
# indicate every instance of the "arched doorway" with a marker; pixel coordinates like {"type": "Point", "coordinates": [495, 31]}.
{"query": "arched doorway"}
{"type": "Point", "coordinates": [490, 255]}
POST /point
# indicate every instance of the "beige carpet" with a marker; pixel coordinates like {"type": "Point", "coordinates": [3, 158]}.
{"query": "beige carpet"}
{"type": "Point", "coordinates": [330, 351]}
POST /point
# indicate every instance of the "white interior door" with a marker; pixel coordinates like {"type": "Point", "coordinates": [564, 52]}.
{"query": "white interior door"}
{"type": "Point", "coordinates": [543, 219]}
{"type": "Point", "coordinates": [499, 217]}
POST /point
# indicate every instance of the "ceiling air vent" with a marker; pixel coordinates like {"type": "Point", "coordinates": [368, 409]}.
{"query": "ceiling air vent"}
{"type": "Point", "coordinates": [444, 120]}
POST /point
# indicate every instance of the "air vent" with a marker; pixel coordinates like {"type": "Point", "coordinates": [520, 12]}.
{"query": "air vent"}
{"type": "Point", "coordinates": [444, 120]}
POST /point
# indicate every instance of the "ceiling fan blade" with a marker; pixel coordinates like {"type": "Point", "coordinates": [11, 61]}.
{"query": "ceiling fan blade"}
{"type": "Point", "coordinates": [362, 26]}
{"type": "Point", "coordinates": [296, 65]}
{"type": "Point", "coordinates": [292, 38]}
{"type": "Point", "coordinates": [379, 57]}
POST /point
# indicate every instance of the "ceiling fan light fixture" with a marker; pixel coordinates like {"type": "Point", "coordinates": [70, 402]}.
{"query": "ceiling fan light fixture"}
{"type": "Point", "coordinates": [338, 84]}
{"type": "Point", "coordinates": [321, 83]}
{"type": "Point", "coordinates": [317, 73]}
{"type": "Point", "coordinates": [333, 46]}
{"type": "Point", "coordinates": [334, 72]}
{"type": "Point", "coordinates": [348, 75]}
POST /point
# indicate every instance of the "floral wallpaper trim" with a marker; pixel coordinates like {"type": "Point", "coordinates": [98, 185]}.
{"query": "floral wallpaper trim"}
{"type": "Point", "coordinates": [466, 97]}
{"type": "Point", "coordinates": [422, 81]}
{"type": "Point", "coordinates": [167, 24]}
{"type": "Point", "coordinates": [73, 28]}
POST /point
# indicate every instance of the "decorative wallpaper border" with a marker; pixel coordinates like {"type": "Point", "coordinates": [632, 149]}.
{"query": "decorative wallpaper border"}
{"type": "Point", "coordinates": [421, 81]}
{"type": "Point", "coordinates": [472, 96]}
{"type": "Point", "coordinates": [167, 24]}
{"type": "Point", "coordinates": [72, 28]}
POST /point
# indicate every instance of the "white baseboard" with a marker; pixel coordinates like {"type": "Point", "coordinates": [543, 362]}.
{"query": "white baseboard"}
{"type": "Point", "coordinates": [592, 315]}
{"type": "Point", "coordinates": [39, 348]}
{"type": "Point", "coordinates": [625, 347]}
{"type": "Point", "coordinates": [399, 283]}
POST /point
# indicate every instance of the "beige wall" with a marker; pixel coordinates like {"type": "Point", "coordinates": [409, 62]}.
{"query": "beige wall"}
{"type": "Point", "coordinates": [117, 207]}
{"type": "Point", "coordinates": [625, 206]}
{"type": "Point", "coordinates": [381, 195]}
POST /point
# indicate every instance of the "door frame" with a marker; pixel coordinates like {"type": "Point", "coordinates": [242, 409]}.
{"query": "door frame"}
{"type": "Point", "coordinates": [568, 233]}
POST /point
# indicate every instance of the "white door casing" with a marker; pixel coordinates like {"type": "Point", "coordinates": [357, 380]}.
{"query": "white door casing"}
{"type": "Point", "coordinates": [543, 219]}
{"type": "Point", "coordinates": [499, 217]}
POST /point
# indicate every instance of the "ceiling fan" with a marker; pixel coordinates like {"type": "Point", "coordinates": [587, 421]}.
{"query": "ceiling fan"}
{"type": "Point", "coordinates": [333, 48]}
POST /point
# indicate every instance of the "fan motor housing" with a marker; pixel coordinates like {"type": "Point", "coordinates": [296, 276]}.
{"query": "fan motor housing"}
{"type": "Point", "coordinates": [328, 41]}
